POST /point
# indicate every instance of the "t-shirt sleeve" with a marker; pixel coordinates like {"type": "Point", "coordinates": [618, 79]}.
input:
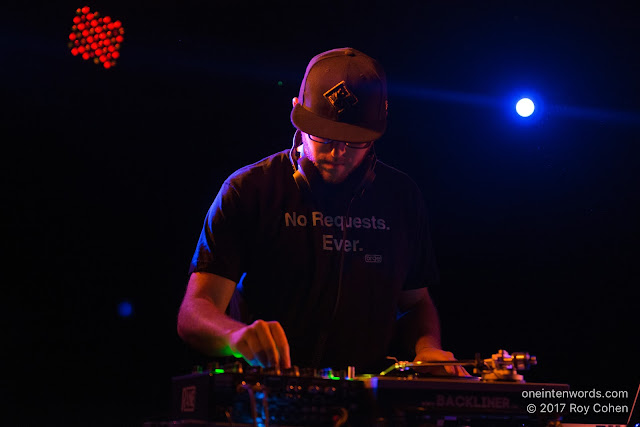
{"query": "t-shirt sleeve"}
{"type": "Point", "coordinates": [424, 271]}
{"type": "Point", "coordinates": [222, 246]}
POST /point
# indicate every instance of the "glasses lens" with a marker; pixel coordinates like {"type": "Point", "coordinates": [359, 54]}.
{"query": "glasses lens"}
{"type": "Point", "coordinates": [320, 140]}
{"type": "Point", "coordinates": [358, 144]}
{"type": "Point", "coordinates": [348, 144]}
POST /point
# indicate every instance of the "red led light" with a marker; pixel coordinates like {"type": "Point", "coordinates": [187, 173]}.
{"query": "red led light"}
{"type": "Point", "coordinates": [97, 37]}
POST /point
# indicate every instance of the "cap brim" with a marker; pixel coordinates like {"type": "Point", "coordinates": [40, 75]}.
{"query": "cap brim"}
{"type": "Point", "coordinates": [313, 124]}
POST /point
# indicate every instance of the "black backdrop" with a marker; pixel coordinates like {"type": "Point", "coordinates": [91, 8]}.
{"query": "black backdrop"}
{"type": "Point", "coordinates": [110, 172]}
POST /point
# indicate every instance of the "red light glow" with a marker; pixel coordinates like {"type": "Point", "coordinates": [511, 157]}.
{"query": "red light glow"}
{"type": "Point", "coordinates": [95, 37]}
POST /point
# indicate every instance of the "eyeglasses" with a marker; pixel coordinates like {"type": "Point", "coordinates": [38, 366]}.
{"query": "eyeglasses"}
{"type": "Point", "coordinates": [356, 145]}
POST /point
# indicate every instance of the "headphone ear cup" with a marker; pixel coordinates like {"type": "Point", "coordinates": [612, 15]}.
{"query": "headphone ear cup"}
{"type": "Point", "coordinates": [298, 173]}
{"type": "Point", "coordinates": [302, 181]}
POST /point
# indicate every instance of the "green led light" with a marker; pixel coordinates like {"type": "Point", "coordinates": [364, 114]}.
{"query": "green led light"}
{"type": "Point", "coordinates": [334, 378]}
{"type": "Point", "coordinates": [280, 83]}
{"type": "Point", "coordinates": [219, 371]}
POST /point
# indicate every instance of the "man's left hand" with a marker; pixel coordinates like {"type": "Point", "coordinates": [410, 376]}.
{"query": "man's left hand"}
{"type": "Point", "coordinates": [431, 354]}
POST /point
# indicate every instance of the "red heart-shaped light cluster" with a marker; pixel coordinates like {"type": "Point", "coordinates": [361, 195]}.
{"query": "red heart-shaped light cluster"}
{"type": "Point", "coordinates": [96, 37]}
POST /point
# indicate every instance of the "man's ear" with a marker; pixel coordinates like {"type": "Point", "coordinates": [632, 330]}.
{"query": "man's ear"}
{"type": "Point", "coordinates": [295, 101]}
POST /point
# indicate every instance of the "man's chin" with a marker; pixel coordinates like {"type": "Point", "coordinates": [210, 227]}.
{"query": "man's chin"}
{"type": "Point", "coordinates": [332, 178]}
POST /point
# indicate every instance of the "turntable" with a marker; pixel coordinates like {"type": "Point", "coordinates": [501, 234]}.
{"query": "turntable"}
{"type": "Point", "coordinates": [406, 395]}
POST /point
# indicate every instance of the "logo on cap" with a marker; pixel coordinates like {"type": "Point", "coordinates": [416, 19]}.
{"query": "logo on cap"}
{"type": "Point", "coordinates": [341, 98]}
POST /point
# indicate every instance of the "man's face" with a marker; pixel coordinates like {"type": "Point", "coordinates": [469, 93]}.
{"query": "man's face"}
{"type": "Point", "coordinates": [334, 160]}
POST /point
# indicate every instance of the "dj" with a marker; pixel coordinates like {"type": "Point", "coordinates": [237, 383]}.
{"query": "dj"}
{"type": "Point", "coordinates": [334, 243]}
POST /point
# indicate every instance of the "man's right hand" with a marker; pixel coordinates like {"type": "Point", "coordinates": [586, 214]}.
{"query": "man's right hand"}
{"type": "Point", "coordinates": [261, 344]}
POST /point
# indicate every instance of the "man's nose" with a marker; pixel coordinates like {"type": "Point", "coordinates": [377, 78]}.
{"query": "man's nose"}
{"type": "Point", "coordinates": [338, 148]}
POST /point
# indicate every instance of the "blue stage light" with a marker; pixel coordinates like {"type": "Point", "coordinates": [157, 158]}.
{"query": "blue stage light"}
{"type": "Point", "coordinates": [125, 309]}
{"type": "Point", "coordinates": [525, 107]}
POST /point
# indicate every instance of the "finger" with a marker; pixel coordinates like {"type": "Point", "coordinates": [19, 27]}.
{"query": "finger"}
{"type": "Point", "coordinates": [282, 343]}
{"type": "Point", "coordinates": [256, 352]}
{"type": "Point", "coordinates": [245, 351]}
{"type": "Point", "coordinates": [269, 352]}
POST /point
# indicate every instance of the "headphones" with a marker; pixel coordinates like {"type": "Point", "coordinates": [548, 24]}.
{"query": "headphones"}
{"type": "Point", "coordinates": [302, 168]}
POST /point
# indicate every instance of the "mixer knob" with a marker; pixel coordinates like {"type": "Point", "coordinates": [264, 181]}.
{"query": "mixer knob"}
{"type": "Point", "coordinates": [314, 389]}
{"type": "Point", "coordinates": [326, 373]}
{"type": "Point", "coordinates": [351, 372]}
{"type": "Point", "coordinates": [329, 390]}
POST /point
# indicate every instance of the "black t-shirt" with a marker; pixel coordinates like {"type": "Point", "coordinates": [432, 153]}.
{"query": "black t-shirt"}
{"type": "Point", "coordinates": [328, 264]}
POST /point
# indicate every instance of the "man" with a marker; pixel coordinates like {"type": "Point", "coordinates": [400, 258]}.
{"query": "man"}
{"type": "Point", "coordinates": [334, 243]}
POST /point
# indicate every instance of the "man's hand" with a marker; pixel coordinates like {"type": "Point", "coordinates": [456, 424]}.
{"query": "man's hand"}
{"type": "Point", "coordinates": [431, 354]}
{"type": "Point", "coordinates": [262, 344]}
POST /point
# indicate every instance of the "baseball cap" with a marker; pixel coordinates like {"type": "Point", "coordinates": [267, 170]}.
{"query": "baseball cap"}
{"type": "Point", "coordinates": [343, 96]}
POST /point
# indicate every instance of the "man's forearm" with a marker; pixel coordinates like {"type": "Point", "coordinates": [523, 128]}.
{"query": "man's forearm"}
{"type": "Point", "coordinates": [427, 326]}
{"type": "Point", "coordinates": [420, 326]}
{"type": "Point", "coordinates": [203, 326]}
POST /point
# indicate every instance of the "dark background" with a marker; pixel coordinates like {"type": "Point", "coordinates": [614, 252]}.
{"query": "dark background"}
{"type": "Point", "coordinates": [109, 174]}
